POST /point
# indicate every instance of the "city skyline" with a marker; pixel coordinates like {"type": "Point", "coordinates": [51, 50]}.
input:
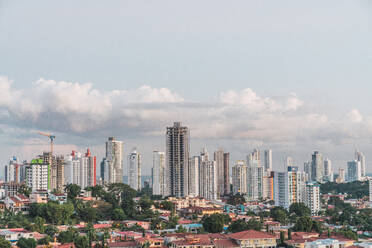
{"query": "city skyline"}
{"type": "Point", "coordinates": [251, 79]}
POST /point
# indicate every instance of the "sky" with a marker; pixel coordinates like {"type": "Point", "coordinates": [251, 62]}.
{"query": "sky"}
{"type": "Point", "coordinates": [293, 76]}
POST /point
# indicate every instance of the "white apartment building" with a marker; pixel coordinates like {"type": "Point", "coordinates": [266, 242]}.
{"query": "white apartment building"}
{"type": "Point", "coordinates": [255, 173]}
{"type": "Point", "coordinates": [289, 187]}
{"type": "Point", "coordinates": [114, 161]}
{"type": "Point", "coordinates": [313, 197]}
{"type": "Point", "coordinates": [208, 180]}
{"type": "Point", "coordinates": [80, 169]}
{"type": "Point", "coordinates": [159, 177]}
{"type": "Point", "coordinates": [194, 172]}
{"type": "Point", "coordinates": [239, 177]}
{"type": "Point", "coordinates": [359, 156]}
{"type": "Point", "coordinates": [37, 175]}
{"type": "Point", "coordinates": [134, 170]}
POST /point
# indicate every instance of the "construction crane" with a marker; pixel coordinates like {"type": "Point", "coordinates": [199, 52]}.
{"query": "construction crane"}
{"type": "Point", "coordinates": [51, 137]}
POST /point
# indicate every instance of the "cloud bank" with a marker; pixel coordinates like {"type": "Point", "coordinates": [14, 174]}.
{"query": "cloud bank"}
{"type": "Point", "coordinates": [81, 110]}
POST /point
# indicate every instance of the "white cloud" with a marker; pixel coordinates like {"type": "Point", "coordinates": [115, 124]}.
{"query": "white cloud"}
{"type": "Point", "coordinates": [80, 110]}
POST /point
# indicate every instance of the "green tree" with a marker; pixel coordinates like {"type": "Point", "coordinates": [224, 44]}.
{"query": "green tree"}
{"type": "Point", "coordinates": [25, 190]}
{"type": "Point", "coordinates": [4, 243]}
{"type": "Point", "coordinates": [254, 224]}
{"type": "Point", "coordinates": [91, 233]}
{"type": "Point", "coordinates": [26, 243]}
{"type": "Point", "coordinates": [97, 191]}
{"type": "Point", "coordinates": [238, 226]}
{"type": "Point", "coordinates": [118, 214]}
{"type": "Point", "coordinates": [51, 230]}
{"type": "Point", "coordinates": [279, 214]}
{"type": "Point", "coordinates": [72, 190]}
{"type": "Point", "coordinates": [67, 236]}
{"type": "Point", "coordinates": [81, 242]}
{"type": "Point", "coordinates": [167, 205]}
{"type": "Point", "coordinates": [236, 199]}
{"type": "Point", "coordinates": [299, 209]}
{"type": "Point", "coordinates": [44, 241]}
{"type": "Point", "coordinates": [213, 223]}
{"type": "Point", "coordinates": [39, 223]}
{"type": "Point", "coordinates": [282, 237]}
{"type": "Point", "coordinates": [303, 224]}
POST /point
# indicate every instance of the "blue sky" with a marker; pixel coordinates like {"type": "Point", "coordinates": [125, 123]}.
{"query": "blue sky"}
{"type": "Point", "coordinates": [316, 52]}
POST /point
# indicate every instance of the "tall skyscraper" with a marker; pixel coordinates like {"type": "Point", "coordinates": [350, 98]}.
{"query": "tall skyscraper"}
{"type": "Point", "coordinates": [80, 169]}
{"type": "Point", "coordinates": [254, 176]}
{"type": "Point", "coordinates": [178, 147]}
{"type": "Point", "coordinates": [56, 169]}
{"type": "Point", "coordinates": [354, 172]}
{"type": "Point", "coordinates": [134, 169]}
{"type": "Point", "coordinates": [328, 172]}
{"type": "Point", "coordinates": [268, 186]}
{"type": "Point", "coordinates": [12, 171]}
{"type": "Point", "coordinates": [218, 157]}
{"type": "Point", "coordinates": [362, 159]}
{"type": "Point", "coordinates": [307, 170]}
{"type": "Point", "coordinates": [114, 159]}
{"type": "Point", "coordinates": [208, 180]}
{"type": "Point", "coordinates": [159, 177]}
{"type": "Point", "coordinates": [317, 167]}
{"type": "Point", "coordinates": [226, 173]}
{"type": "Point", "coordinates": [37, 175]}
{"type": "Point", "coordinates": [370, 189]}
{"type": "Point", "coordinates": [341, 176]}
{"type": "Point", "coordinates": [194, 172]}
{"type": "Point", "coordinates": [313, 197]}
{"type": "Point", "coordinates": [268, 160]}
{"type": "Point", "coordinates": [239, 177]}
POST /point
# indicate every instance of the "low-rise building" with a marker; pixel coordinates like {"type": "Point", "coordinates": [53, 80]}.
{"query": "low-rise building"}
{"type": "Point", "coordinates": [17, 204]}
{"type": "Point", "coordinates": [61, 198]}
{"type": "Point", "coordinates": [13, 235]}
{"type": "Point", "coordinates": [254, 239]}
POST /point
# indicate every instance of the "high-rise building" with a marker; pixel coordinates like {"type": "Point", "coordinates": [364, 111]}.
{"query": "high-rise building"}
{"type": "Point", "coordinates": [37, 175]}
{"type": "Point", "coordinates": [194, 172]}
{"type": "Point", "coordinates": [307, 170]}
{"type": "Point", "coordinates": [317, 167]}
{"type": "Point", "coordinates": [134, 169]}
{"type": "Point", "coordinates": [239, 177]}
{"type": "Point", "coordinates": [226, 173]}
{"type": "Point", "coordinates": [268, 186]}
{"type": "Point", "coordinates": [208, 180]}
{"type": "Point", "coordinates": [159, 177]}
{"type": "Point", "coordinates": [362, 159]}
{"type": "Point", "coordinates": [354, 172]}
{"type": "Point", "coordinates": [281, 189]}
{"type": "Point", "coordinates": [12, 171]}
{"type": "Point", "coordinates": [60, 167]}
{"type": "Point", "coordinates": [313, 197]}
{"type": "Point", "coordinates": [370, 189]}
{"type": "Point", "coordinates": [56, 169]}
{"type": "Point", "coordinates": [114, 160]}
{"type": "Point", "coordinates": [328, 173]}
{"type": "Point", "coordinates": [268, 160]}
{"type": "Point", "coordinates": [177, 161]}
{"type": "Point", "coordinates": [255, 175]}
{"type": "Point", "coordinates": [218, 157]}
{"type": "Point", "coordinates": [289, 187]}
{"type": "Point", "coordinates": [104, 173]}
{"type": "Point", "coordinates": [80, 169]}
{"type": "Point", "coordinates": [341, 176]}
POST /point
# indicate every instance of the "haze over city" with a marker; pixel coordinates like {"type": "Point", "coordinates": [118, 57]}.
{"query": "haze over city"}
{"type": "Point", "coordinates": [291, 76]}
